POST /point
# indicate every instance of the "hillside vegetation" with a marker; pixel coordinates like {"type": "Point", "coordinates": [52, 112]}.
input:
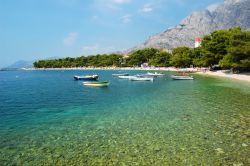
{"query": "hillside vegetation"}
{"type": "Point", "coordinates": [228, 48]}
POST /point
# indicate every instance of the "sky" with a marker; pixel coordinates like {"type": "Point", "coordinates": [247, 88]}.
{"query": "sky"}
{"type": "Point", "coordinates": [40, 29]}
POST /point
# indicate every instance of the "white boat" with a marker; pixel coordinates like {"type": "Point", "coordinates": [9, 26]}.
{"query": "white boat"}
{"type": "Point", "coordinates": [143, 75]}
{"type": "Point", "coordinates": [176, 77]}
{"type": "Point", "coordinates": [86, 77]}
{"type": "Point", "coordinates": [142, 79]}
{"type": "Point", "coordinates": [96, 83]}
{"type": "Point", "coordinates": [120, 74]}
{"type": "Point", "coordinates": [126, 77]}
{"type": "Point", "coordinates": [155, 74]}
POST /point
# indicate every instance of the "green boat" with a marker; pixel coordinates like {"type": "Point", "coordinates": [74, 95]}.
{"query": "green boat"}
{"type": "Point", "coordinates": [96, 83]}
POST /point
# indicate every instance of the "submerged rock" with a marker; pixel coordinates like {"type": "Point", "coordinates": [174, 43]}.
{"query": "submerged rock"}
{"type": "Point", "coordinates": [244, 145]}
{"type": "Point", "coordinates": [219, 151]}
{"type": "Point", "coordinates": [186, 117]}
{"type": "Point", "coordinates": [157, 149]}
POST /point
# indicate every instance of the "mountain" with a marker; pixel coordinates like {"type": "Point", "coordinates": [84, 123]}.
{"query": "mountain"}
{"type": "Point", "coordinates": [21, 64]}
{"type": "Point", "coordinates": [229, 14]}
{"type": "Point", "coordinates": [27, 64]}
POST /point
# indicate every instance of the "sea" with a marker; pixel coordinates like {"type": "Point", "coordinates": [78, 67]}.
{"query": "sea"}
{"type": "Point", "coordinates": [48, 118]}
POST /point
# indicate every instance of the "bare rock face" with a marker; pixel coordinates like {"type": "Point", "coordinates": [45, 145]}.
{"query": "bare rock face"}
{"type": "Point", "coordinates": [229, 14]}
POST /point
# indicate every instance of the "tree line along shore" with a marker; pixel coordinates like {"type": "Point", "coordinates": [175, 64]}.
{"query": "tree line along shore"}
{"type": "Point", "coordinates": [226, 49]}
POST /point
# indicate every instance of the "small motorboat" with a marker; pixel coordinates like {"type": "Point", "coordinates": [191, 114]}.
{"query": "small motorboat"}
{"type": "Point", "coordinates": [87, 77]}
{"type": "Point", "coordinates": [126, 77]}
{"type": "Point", "coordinates": [120, 74]}
{"type": "Point", "coordinates": [155, 74]}
{"type": "Point", "coordinates": [96, 83]}
{"type": "Point", "coordinates": [141, 78]}
{"type": "Point", "coordinates": [182, 77]}
{"type": "Point", "coordinates": [144, 75]}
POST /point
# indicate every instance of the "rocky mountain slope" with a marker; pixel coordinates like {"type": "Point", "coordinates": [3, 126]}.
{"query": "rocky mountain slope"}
{"type": "Point", "coordinates": [229, 14]}
{"type": "Point", "coordinates": [21, 64]}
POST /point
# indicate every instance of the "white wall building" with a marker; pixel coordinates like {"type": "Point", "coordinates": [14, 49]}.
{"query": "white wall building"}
{"type": "Point", "coordinates": [197, 42]}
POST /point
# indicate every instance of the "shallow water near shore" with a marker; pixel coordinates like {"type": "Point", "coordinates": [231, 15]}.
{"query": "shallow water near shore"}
{"type": "Point", "coordinates": [48, 118]}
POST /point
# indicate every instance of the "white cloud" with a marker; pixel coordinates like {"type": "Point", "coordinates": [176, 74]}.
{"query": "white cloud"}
{"type": "Point", "coordinates": [147, 8]}
{"type": "Point", "coordinates": [213, 7]}
{"type": "Point", "coordinates": [70, 39]}
{"type": "Point", "coordinates": [126, 18]}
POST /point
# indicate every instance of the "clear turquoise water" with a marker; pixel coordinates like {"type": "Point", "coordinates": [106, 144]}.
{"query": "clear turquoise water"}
{"type": "Point", "coordinates": [47, 118]}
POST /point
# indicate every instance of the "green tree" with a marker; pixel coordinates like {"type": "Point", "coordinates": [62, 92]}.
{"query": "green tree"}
{"type": "Point", "coordinates": [238, 56]}
{"type": "Point", "coordinates": [182, 57]}
{"type": "Point", "coordinates": [230, 48]}
{"type": "Point", "coordinates": [160, 59]}
{"type": "Point", "coordinates": [215, 46]}
{"type": "Point", "coordinates": [141, 56]}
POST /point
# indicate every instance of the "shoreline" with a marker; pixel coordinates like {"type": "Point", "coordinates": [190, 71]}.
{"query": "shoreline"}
{"type": "Point", "coordinates": [201, 71]}
{"type": "Point", "coordinates": [224, 74]}
{"type": "Point", "coordinates": [121, 68]}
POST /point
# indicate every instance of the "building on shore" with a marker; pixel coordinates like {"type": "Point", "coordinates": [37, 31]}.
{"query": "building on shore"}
{"type": "Point", "coordinates": [197, 42]}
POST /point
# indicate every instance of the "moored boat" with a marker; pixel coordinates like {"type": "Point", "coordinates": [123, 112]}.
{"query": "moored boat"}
{"type": "Point", "coordinates": [155, 74]}
{"type": "Point", "coordinates": [176, 77]}
{"type": "Point", "coordinates": [96, 83]}
{"type": "Point", "coordinates": [86, 77]}
{"type": "Point", "coordinates": [120, 74]}
{"type": "Point", "coordinates": [144, 75]}
{"type": "Point", "coordinates": [126, 77]}
{"type": "Point", "coordinates": [140, 78]}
